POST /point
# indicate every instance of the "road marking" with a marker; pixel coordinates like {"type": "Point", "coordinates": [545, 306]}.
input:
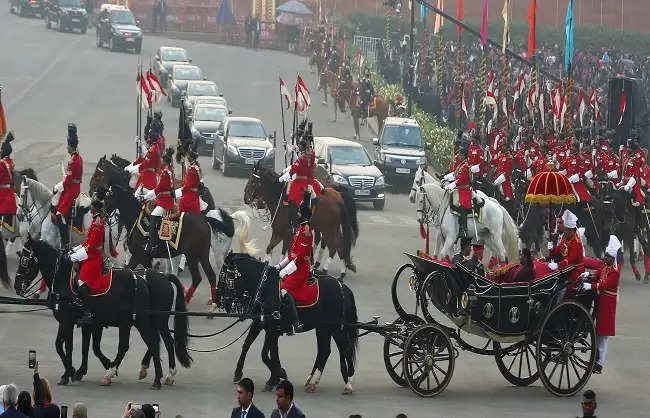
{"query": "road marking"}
{"type": "Point", "coordinates": [409, 220]}
{"type": "Point", "coordinates": [379, 219]}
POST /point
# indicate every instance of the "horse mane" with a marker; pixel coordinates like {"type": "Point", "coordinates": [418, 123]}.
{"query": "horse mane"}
{"type": "Point", "coordinates": [39, 188]}
{"type": "Point", "coordinates": [119, 161]}
{"type": "Point", "coordinates": [271, 180]}
{"type": "Point", "coordinates": [29, 173]}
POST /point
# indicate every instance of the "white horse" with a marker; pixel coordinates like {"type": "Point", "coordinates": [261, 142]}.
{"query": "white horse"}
{"type": "Point", "coordinates": [26, 211]}
{"type": "Point", "coordinates": [497, 229]}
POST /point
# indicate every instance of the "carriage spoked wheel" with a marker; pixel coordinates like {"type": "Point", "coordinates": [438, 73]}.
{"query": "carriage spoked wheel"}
{"type": "Point", "coordinates": [429, 360]}
{"type": "Point", "coordinates": [517, 362]}
{"type": "Point", "coordinates": [566, 349]}
{"type": "Point", "coordinates": [394, 350]}
{"type": "Point", "coordinates": [404, 291]}
{"type": "Point", "coordinates": [435, 291]}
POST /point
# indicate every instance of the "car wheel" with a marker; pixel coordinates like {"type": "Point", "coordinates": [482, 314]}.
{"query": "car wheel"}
{"type": "Point", "coordinates": [379, 204]}
{"type": "Point", "coordinates": [99, 39]}
{"type": "Point", "coordinates": [215, 163]}
{"type": "Point", "coordinates": [59, 24]}
{"type": "Point", "coordinates": [48, 24]}
{"type": "Point", "coordinates": [224, 166]}
{"type": "Point", "coordinates": [111, 44]}
{"type": "Point", "coordinates": [84, 29]}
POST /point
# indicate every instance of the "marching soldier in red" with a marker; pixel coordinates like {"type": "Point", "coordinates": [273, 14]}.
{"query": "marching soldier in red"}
{"type": "Point", "coordinates": [8, 206]}
{"type": "Point", "coordinates": [605, 283]}
{"type": "Point", "coordinates": [295, 269]}
{"type": "Point", "coordinates": [164, 196]}
{"type": "Point", "coordinates": [575, 171]}
{"type": "Point", "coordinates": [569, 251]}
{"type": "Point", "coordinates": [461, 181]}
{"type": "Point", "coordinates": [91, 256]}
{"type": "Point", "coordinates": [502, 176]}
{"type": "Point", "coordinates": [70, 188]}
{"type": "Point", "coordinates": [631, 173]}
{"type": "Point", "coordinates": [189, 193]}
{"type": "Point", "coordinates": [146, 167]}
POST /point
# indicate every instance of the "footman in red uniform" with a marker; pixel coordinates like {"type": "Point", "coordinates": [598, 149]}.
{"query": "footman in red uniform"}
{"type": "Point", "coordinates": [569, 251]}
{"type": "Point", "coordinates": [461, 181]}
{"type": "Point", "coordinates": [8, 206]}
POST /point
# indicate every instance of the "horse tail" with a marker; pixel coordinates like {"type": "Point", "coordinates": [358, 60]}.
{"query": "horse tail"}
{"type": "Point", "coordinates": [350, 317]}
{"type": "Point", "coordinates": [510, 236]}
{"type": "Point", "coordinates": [351, 209]}
{"type": "Point", "coordinates": [181, 325]}
{"type": "Point", "coordinates": [246, 245]}
{"type": "Point", "coordinates": [4, 274]}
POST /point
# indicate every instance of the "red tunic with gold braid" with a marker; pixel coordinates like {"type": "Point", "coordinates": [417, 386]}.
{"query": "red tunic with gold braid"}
{"type": "Point", "coordinates": [165, 189]}
{"type": "Point", "coordinates": [632, 165]}
{"type": "Point", "coordinates": [71, 184]}
{"type": "Point", "coordinates": [148, 170]}
{"type": "Point", "coordinates": [607, 288]}
{"type": "Point", "coordinates": [190, 199]}
{"type": "Point", "coordinates": [463, 179]}
{"type": "Point", "coordinates": [300, 253]}
{"type": "Point", "coordinates": [574, 166]}
{"type": "Point", "coordinates": [571, 252]}
{"type": "Point", "coordinates": [504, 166]}
{"type": "Point", "coordinates": [7, 195]}
{"type": "Point", "coordinates": [303, 168]}
{"type": "Point", "coordinates": [91, 268]}
{"type": "Point", "coordinates": [476, 155]}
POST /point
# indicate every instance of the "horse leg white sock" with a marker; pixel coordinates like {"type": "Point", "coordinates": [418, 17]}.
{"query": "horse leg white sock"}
{"type": "Point", "coordinates": [602, 350]}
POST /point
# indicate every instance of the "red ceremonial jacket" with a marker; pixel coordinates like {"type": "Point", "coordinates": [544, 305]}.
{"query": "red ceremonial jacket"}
{"type": "Point", "coordinates": [190, 199]}
{"type": "Point", "coordinates": [476, 156]}
{"type": "Point", "coordinates": [607, 287]}
{"type": "Point", "coordinates": [300, 253]}
{"type": "Point", "coordinates": [571, 253]}
{"type": "Point", "coordinates": [7, 195]}
{"type": "Point", "coordinates": [165, 189]}
{"type": "Point", "coordinates": [148, 170]}
{"type": "Point", "coordinates": [91, 268]}
{"type": "Point", "coordinates": [303, 168]}
{"type": "Point", "coordinates": [574, 165]}
{"type": "Point", "coordinates": [71, 184]}
{"type": "Point", "coordinates": [463, 182]}
{"type": "Point", "coordinates": [632, 165]}
{"type": "Point", "coordinates": [455, 163]}
{"type": "Point", "coordinates": [504, 166]}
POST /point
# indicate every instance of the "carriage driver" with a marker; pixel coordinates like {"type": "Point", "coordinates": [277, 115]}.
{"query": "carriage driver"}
{"type": "Point", "coordinates": [569, 251]}
{"type": "Point", "coordinates": [70, 188]}
{"type": "Point", "coordinates": [8, 204]}
{"type": "Point", "coordinates": [296, 268]}
{"type": "Point", "coordinates": [91, 256]}
{"type": "Point", "coordinates": [460, 180]}
{"type": "Point", "coordinates": [164, 196]}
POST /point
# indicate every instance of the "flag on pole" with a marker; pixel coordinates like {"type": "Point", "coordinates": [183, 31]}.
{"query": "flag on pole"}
{"type": "Point", "coordinates": [142, 89]}
{"type": "Point", "coordinates": [484, 23]}
{"type": "Point", "coordinates": [581, 106]}
{"type": "Point", "coordinates": [532, 23]}
{"type": "Point", "coordinates": [519, 90]}
{"type": "Point", "coordinates": [593, 102]}
{"type": "Point", "coordinates": [3, 118]}
{"type": "Point", "coordinates": [439, 22]}
{"type": "Point", "coordinates": [459, 15]}
{"type": "Point", "coordinates": [542, 109]}
{"type": "Point", "coordinates": [303, 100]}
{"type": "Point", "coordinates": [622, 107]}
{"type": "Point", "coordinates": [464, 104]}
{"type": "Point", "coordinates": [155, 86]}
{"type": "Point", "coordinates": [506, 24]}
{"type": "Point", "coordinates": [285, 93]}
{"type": "Point", "coordinates": [569, 28]}
{"type": "Point", "coordinates": [490, 84]}
{"type": "Point", "coordinates": [491, 100]}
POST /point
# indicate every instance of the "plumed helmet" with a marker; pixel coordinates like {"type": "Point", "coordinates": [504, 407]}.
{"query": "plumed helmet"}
{"type": "Point", "coordinates": [305, 206]}
{"type": "Point", "coordinates": [73, 140]}
{"type": "Point", "coordinates": [169, 154]}
{"type": "Point", "coordinates": [6, 145]}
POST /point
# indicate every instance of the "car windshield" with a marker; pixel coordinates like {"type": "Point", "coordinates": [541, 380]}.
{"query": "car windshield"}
{"type": "Point", "coordinates": [187, 73]}
{"type": "Point", "coordinates": [246, 130]}
{"type": "Point", "coordinates": [70, 3]}
{"type": "Point", "coordinates": [213, 114]}
{"type": "Point", "coordinates": [122, 17]}
{"type": "Point", "coordinates": [403, 136]}
{"type": "Point", "coordinates": [202, 90]}
{"type": "Point", "coordinates": [213, 100]}
{"type": "Point", "coordinates": [174, 55]}
{"type": "Point", "coordinates": [348, 156]}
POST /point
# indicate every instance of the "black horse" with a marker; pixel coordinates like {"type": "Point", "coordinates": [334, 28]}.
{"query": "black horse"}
{"type": "Point", "coordinates": [630, 223]}
{"type": "Point", "coordinates": [4, 274]}
{"type": "Point", "coordinates": [250, 286]}
{"type": "Point", "coordinates": [124, 305]}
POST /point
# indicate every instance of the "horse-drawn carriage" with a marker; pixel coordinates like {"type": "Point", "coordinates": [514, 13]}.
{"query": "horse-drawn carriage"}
{"type": "Point", "coordinates": [531, 329]}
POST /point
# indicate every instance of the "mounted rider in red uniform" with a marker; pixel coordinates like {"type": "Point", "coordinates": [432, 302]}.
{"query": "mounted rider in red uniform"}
{"type": "Point", "coordinates": [164, 196]}
{"type": "Point", "coordinates": [91, 256]}
{"type": "Point", "coordinates": [577, 173]}
{"type": "Point", "coordinates": [70, 188]}
{"type": "Point", "coordinates": [146, 167]}
{"type": "Point", "coordinates": [504, 163]}
{"type": "Point", "coordinates": [189, 193]}
{"type": "Point", "coordinates": [8, 205]}
{"type": "Point", "coordinates": [461, 180]}
{"type": "Point", "coordinates": [295, 269]}
{"type": "Point", "coordinates": [632, 165]}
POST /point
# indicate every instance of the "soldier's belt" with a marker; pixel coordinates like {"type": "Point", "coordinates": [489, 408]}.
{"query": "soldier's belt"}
{"type": "Point", "coordinates": [301, 177]}
{"type": "Point", "coordinates": [193, 190]}
{"type": "Point", "coordinates": [75, 181]}
{"type": "Point", "coordinates": [5, 186]}
{"type": "Point", "coordinates": [165, 194]}
{"type": "Point", "coordinates": [609, 292]}
{"type": "Point", "coordinates": [150, 169]}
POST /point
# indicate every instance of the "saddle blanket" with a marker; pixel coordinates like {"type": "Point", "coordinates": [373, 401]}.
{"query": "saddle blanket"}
{"type": "Point", "coordinates": [170, 229]}
{"type": "Point", "coordinates": [106, 282]}
{"type": "Point", "coordinates": [312, 293]}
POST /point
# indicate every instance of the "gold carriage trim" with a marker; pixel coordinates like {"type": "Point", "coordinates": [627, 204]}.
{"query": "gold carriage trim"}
{"type": "Point", "coordinates": [546, 199]}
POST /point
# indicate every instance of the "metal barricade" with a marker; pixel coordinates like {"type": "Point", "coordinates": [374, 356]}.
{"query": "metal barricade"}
{"type": "Point", "coordinates": [369, 47]}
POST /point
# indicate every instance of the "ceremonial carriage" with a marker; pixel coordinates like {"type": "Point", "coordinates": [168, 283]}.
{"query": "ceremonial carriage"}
{"type": "Point", "coordinates": [530, 328]}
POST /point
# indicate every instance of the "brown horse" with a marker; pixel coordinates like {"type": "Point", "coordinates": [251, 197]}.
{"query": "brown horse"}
{"type": "Point", "coordinates": [334, 219]}
{"type": "Point", "coordinates": [378, 108]}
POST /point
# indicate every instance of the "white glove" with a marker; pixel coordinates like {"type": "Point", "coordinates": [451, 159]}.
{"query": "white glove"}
{"type": "Point", "coordinates": [620, 148]}
{"type": "Point", "coordinates": [612, 174]}
{"type": "Point", "coordinates": [79, 255]}
{"type": "Point", "coordinates": [550, 245]}
{"type": "Point", "coordinates": [475, 168]}
{"type": "Point", "coordinates": [449, 177]}
{"type": "Point", "coordinates": [450, 186]}
{"type": "Point", "coordinates": [630, 183]}
{"type": "Point", "coordinates": [151, 195]}
{"type": "Point", "coordinates": [574, 178]}
{"type": "Point", "coordinates": [589, 174]}
{"type": "Point", "coordinates": [552, 265]}
{"type": "Point", "coordinates": [284, 177]}
{"type": "Point", "coordinates": [135, 169]}
{"type": "Point", "coordinates": [58, 187]}
{"type": "Point", "coordinates": [128, 168]}
{"type": "Point", "coordinates": [499, 180]}
{"type": "Point", "coordinates": [586, 286]}
{"type": "Point", "coordinates": [286, 169]}
{"type": "Point", "coordinates": [529, 173]}
{"type": "Point", "coordinates": [143, 148]}
{"type": "Point", "coordinates": [563, 172]}
{"type": "Point", "coordinates": [627, 188]}
{"type": "Point", "coordinates": [290, 268]}
{"type": "Point", "coordinates": [584, 275]}
{"type": "Point", "coordinates": [282, 264]}
{"type": "Point", "coordinates": [178, 193]}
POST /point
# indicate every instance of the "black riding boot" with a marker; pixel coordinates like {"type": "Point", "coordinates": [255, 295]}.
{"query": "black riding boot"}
{"type": "Point", "coordinates": [462, 222]}
{"type": "Point", "coordinates": [152, 244]}
{"type": "Point", "coordinates": [64, 232]}
{"type": "Point", "coordinates": [87, 318]}
{"type": "Point", "coordinates": [293, 312]}
{"type": "Point", "coordinates": [293, 216]}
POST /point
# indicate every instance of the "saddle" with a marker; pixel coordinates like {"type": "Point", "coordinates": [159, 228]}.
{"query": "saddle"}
{"type": "Point", "coordinates": [107, 281]}
{"type": "Point", "coordinates": [81, 208]}
{"type": "Point", "coordinates": [477, 205]}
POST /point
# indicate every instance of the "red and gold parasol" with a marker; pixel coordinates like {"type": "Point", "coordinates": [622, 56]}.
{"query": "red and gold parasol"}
{"type": "Point", "coordinates": [550, 187]}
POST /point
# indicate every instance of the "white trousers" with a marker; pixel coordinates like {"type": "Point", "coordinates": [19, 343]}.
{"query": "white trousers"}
{"type": "Point", "coordinates": [141, 191]}
{"type": "Point", "coordinates": [602, 350]}
{"type": "Point", "coordinates": [158, 211]}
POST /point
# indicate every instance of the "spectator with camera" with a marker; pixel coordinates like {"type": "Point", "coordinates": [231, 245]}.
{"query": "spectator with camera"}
{"type": "Point", "coordinates": [43, 406]}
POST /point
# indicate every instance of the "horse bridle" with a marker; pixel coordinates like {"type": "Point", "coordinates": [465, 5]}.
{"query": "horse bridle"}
{"type": "Point", "coordinates": [24, 261]}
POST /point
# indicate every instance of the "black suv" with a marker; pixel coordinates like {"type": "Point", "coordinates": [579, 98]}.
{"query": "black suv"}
{"type": "Point", "coordinates": [66, 15]}
{"type": "Point", "coordinates": [26, 7]}
{"type": "Point", "coordinates": [119, 29]}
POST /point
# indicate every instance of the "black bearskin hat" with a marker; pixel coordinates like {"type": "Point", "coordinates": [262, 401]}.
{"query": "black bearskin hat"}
{"type": "Point", "coordinates": [169, 154]}
{"type": "Point", "coordinates": [305, 206]}
{"type": "Point", "coordinates": [73, 140]}
{"type": "Point", "coordinates": [6, 145]}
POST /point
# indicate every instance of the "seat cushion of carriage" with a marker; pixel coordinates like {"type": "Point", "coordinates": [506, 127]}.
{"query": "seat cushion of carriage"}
{"type": "Point", "coordinates": [505, 274]}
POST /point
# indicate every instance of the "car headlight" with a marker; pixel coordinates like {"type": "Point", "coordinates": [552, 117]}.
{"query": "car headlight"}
{"type": "Point", "coordinates": [384, 157]}
{"type": "Point", "coordinates": [422, 161]}
{"type": "Point", "coordinates": [380, 181]}
{"type": "Point", "coordinates": [232, 149]}
{"type": "Point", "coordinates": [339, 179]}
{"type": "Point", "coordinates": [269, 152]}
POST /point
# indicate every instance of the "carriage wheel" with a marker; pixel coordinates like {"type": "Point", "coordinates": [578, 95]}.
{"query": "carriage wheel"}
{"type": "Point", "coordinates": [429, 360]}
{"type": "Point", "coordinates": [566, 349]}
{"type": "Point", "coordinates": [436, 286]}
{"type": "Point", "coordinates": [405, 288]}
{"type": "Point", "coordinates": [518, 365]}
{"type": "Point", "coordinates": [394, 352]}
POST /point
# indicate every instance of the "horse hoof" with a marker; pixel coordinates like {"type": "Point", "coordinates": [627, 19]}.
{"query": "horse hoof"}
{"type": "Point", "coordinates": [143, 373]}
{"type": "Point", "coordinates": [64, 380]}
{"type": "Point", "coordinates": [78, 376]}
{"type": "Point", "coordinates": [352, 267]}
{"type": "Point", "coordinates": [310, 388]}
{"type": "Point", "coordinates": [237, 376]}
{"type": "Point", "coordinates": [169, 380]}
{"type": "Point", "coordinates": [156, 385]}
{"type": "Point", "coordinates": [106, 381]}
{"type": "Point", "coordinates": [346, 391]}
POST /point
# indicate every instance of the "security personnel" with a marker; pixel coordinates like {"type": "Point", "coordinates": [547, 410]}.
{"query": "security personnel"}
{"type": "Point", "coordinates": [296, 268]}
{"type": "Point", "coordinates": [189, 193]}
{"type": "Point", "coordinates": [8, 205]}
{"type": "Point", "coordinates": [164, 196]}
{"type": "Point", "coordinates": [605, 284]}
{"type": "Point", "coordinates": [569, 251]}
{"type": "Point", "coordinates": [91, 256]}
{"type": "Point", "coordinates": [70, 188]}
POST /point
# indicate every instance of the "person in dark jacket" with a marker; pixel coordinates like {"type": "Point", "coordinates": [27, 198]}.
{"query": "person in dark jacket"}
{"type": "Point", "coordinates": [284, 399]}
{"type": "Point", "coordinates": [246, 409]}
{"type": "Point", "coordinates": [43, 406]}
{"type": "Point", "coordinates": [9, 402]}
{"type": "Point", "coordinates": [25, 403]}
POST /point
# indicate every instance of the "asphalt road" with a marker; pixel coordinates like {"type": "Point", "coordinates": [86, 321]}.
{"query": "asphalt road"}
{"type": "Point", "coordinates": [51, 78]}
